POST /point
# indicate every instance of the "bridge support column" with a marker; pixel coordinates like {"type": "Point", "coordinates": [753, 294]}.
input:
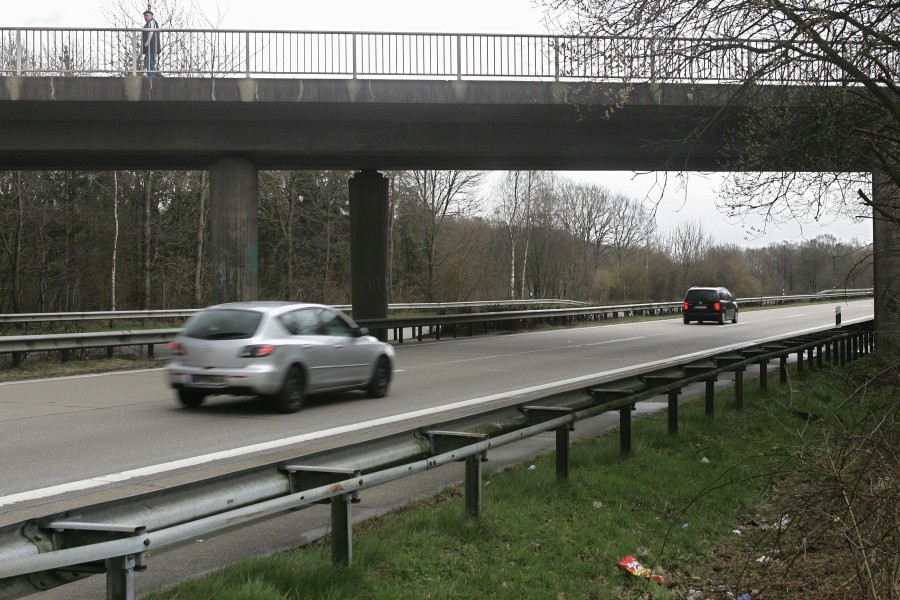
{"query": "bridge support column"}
{"type": "Point", "coordinates": [234, 249]}
{"type": "Point", "coordinates": [369, 223]}
{"type": "Point", "coordinates": [886, 250]}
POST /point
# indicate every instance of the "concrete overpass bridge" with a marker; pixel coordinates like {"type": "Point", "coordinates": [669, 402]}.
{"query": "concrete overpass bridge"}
{"type": "Point", "coordinates": [514, 102]}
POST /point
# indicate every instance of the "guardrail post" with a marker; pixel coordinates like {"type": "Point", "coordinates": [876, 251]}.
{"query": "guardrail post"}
{"type": "Point", "coordinates": [120, 578]}
{"type": "Point", "coordinates": [763, 374]}
{"type": "Point", "coordinates": [562, 452]}
{"type": "Point", "coordinates": [782, 369]}
{"type": "Point", "coordinates": [710, 397]}
{"type": "Point", "coordinates": [473, 484]}
{"type": "Point", "coordinates": [739, 388]}
{"type": "Point", "coordinates": [625, 429]}
{"type": "Point", "coordinates": [799, 361]}
{"type": "Point", "coordinates": [341, 531]}
{"type": "Point", "coordinates": [673, 411]}
{"type": "Point", "coordinates": [843, 351]}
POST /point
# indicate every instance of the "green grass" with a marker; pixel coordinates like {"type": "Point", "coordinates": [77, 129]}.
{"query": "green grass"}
{"type": "Point", "coordinates": [540, 537]}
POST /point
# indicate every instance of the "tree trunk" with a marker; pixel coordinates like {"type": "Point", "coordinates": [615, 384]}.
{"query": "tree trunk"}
{"type": "Point", "coordinates": [199, 247]}
{"type": "Point", "coordinates": [145, 245]}
{"type": "Point", "coordinates": [115, 241]}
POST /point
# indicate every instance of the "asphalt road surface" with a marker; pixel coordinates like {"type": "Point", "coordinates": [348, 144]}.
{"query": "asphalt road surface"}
{"type": "Point", "coordinates": [79, 440]}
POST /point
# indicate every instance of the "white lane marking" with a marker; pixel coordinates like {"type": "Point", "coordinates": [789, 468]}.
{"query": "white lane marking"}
{"type": "Point", "coordinates": [82, 376]}
{"type": "Point", "coordinates": [536, 350]}
{"type": "Point", "coordinates": [95, 482]}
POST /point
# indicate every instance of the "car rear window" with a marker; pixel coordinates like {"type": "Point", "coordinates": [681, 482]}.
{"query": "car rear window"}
{"type": "Point", "coordinates": [223, 324]}
{"type": "Point", "coordinates": [702, 296]}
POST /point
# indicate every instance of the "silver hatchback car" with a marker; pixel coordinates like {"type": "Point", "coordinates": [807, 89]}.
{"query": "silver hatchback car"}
{"type": "Point", "coordinates": [277, 350]}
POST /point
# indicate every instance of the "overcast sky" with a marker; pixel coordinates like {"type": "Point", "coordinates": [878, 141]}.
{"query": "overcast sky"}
{"type": "Point", "coordinates": [697, 202]}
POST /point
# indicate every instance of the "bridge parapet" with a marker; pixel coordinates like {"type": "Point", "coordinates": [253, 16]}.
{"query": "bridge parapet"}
{"type": "Point", "coordinates": [244, 53]}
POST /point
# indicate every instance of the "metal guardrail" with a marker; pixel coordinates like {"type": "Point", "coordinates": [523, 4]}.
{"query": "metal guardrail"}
{"type": "Point", "coordinates": [342, 54]}
{"type": "Point", "coordinates": [156, 315]}
{"type": "Point", "coordinates": [117, 537]}
{"type": "Point", "coordinates": [439, 325]}
{"type": "Point", "coordinates": [392, 328]}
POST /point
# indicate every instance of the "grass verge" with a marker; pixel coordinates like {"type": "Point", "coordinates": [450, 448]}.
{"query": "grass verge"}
{"type": "Point", "coordinates": [695, 508]}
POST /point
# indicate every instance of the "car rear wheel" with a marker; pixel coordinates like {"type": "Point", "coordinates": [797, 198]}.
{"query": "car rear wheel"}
{"type": "Point", "coordinates": [734, 320]}
{"type": "Point", "coordinates": [722, 318]}
{"type": "Point", "coordinates": [191, 398]}
{"type": "Point", "coordinates": [687, 321]}
{"type": "Point", "coordinates": [381, 379]}
{"type": "Point", "coordinates": [289, 398]}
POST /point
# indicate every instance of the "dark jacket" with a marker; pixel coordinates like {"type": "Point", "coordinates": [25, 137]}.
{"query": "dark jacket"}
{"type": "Point", "coordinates": [151, 38]}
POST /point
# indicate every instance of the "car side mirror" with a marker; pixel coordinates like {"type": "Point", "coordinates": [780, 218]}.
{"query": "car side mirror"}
{"type": "Point", "coordinates": [361, 331]}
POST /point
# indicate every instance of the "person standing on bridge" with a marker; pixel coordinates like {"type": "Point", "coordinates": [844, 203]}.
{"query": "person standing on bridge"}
{"type": "Point", "coordinates": [151, 44]}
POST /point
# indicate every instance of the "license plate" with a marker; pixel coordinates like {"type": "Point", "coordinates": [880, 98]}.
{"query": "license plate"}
{"type": "Point", "coordinates": [208, 379]}
{"type": "Point", "coordinates": [700, 306]}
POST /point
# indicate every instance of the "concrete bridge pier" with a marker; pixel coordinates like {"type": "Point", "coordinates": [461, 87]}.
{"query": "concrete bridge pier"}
{"type": "Point", "coordinates": [234, 235]}
{"type": "Point", "coordinates": [369, 226]}
{"type": "Point", "coordinates": [886, 249]}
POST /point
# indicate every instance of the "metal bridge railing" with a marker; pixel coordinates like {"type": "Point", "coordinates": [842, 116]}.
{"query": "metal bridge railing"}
{"type": "Point", "coordinates": [244, 53]}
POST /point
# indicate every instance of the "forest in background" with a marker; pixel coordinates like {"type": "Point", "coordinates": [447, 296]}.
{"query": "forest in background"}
{"type": "Point", "coordinates": [129, 240]}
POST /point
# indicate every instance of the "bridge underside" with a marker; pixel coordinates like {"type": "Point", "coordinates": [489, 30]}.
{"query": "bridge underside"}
{"type": "Point", "coordinates": [139, 123]}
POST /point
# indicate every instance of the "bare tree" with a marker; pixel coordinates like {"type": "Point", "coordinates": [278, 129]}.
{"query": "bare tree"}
{"type": "Point", "coordinates": [430, 199]}
{"type": "Point", "coordinates": [632, 228]}
{"type": "Point", "coordinates": [515, 199]}
{"type": "Point", "coordinates": [842, 115]}
{"type": "Point", "coordinates": [11, 234]}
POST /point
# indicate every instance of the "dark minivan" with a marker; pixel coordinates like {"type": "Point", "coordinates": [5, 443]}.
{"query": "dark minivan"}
{"type": "Point", "coordinates": [709, 304]}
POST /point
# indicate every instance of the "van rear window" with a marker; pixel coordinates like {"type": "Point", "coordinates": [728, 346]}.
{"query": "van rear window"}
{"type": "Point", "coordinates": [702, 296]}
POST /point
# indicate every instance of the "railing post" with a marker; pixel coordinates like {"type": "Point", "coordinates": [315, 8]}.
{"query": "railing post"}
{"type": "Point", "coordinates": [556, 58]}
{"type": "Point", "coordinates": [353, 49]}
{"type": "Point", "coordinates": [458, 57]}
{"type": "Point", "coordinates": [18, 51]}
{"type": "Point", "coordinates": [247, 53]}
{"type": "Point", "coordinates": [137, 52]}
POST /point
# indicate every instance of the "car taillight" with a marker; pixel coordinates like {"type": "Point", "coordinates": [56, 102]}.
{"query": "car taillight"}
{"type": "Point", "coordinates": [257, 351]}
{"type": "Point", "coordinates": [717, 306]}
{"type": "Point", "coordinates": [686, 306]}
{"type": "Point", "coordinates": [176, 348]}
